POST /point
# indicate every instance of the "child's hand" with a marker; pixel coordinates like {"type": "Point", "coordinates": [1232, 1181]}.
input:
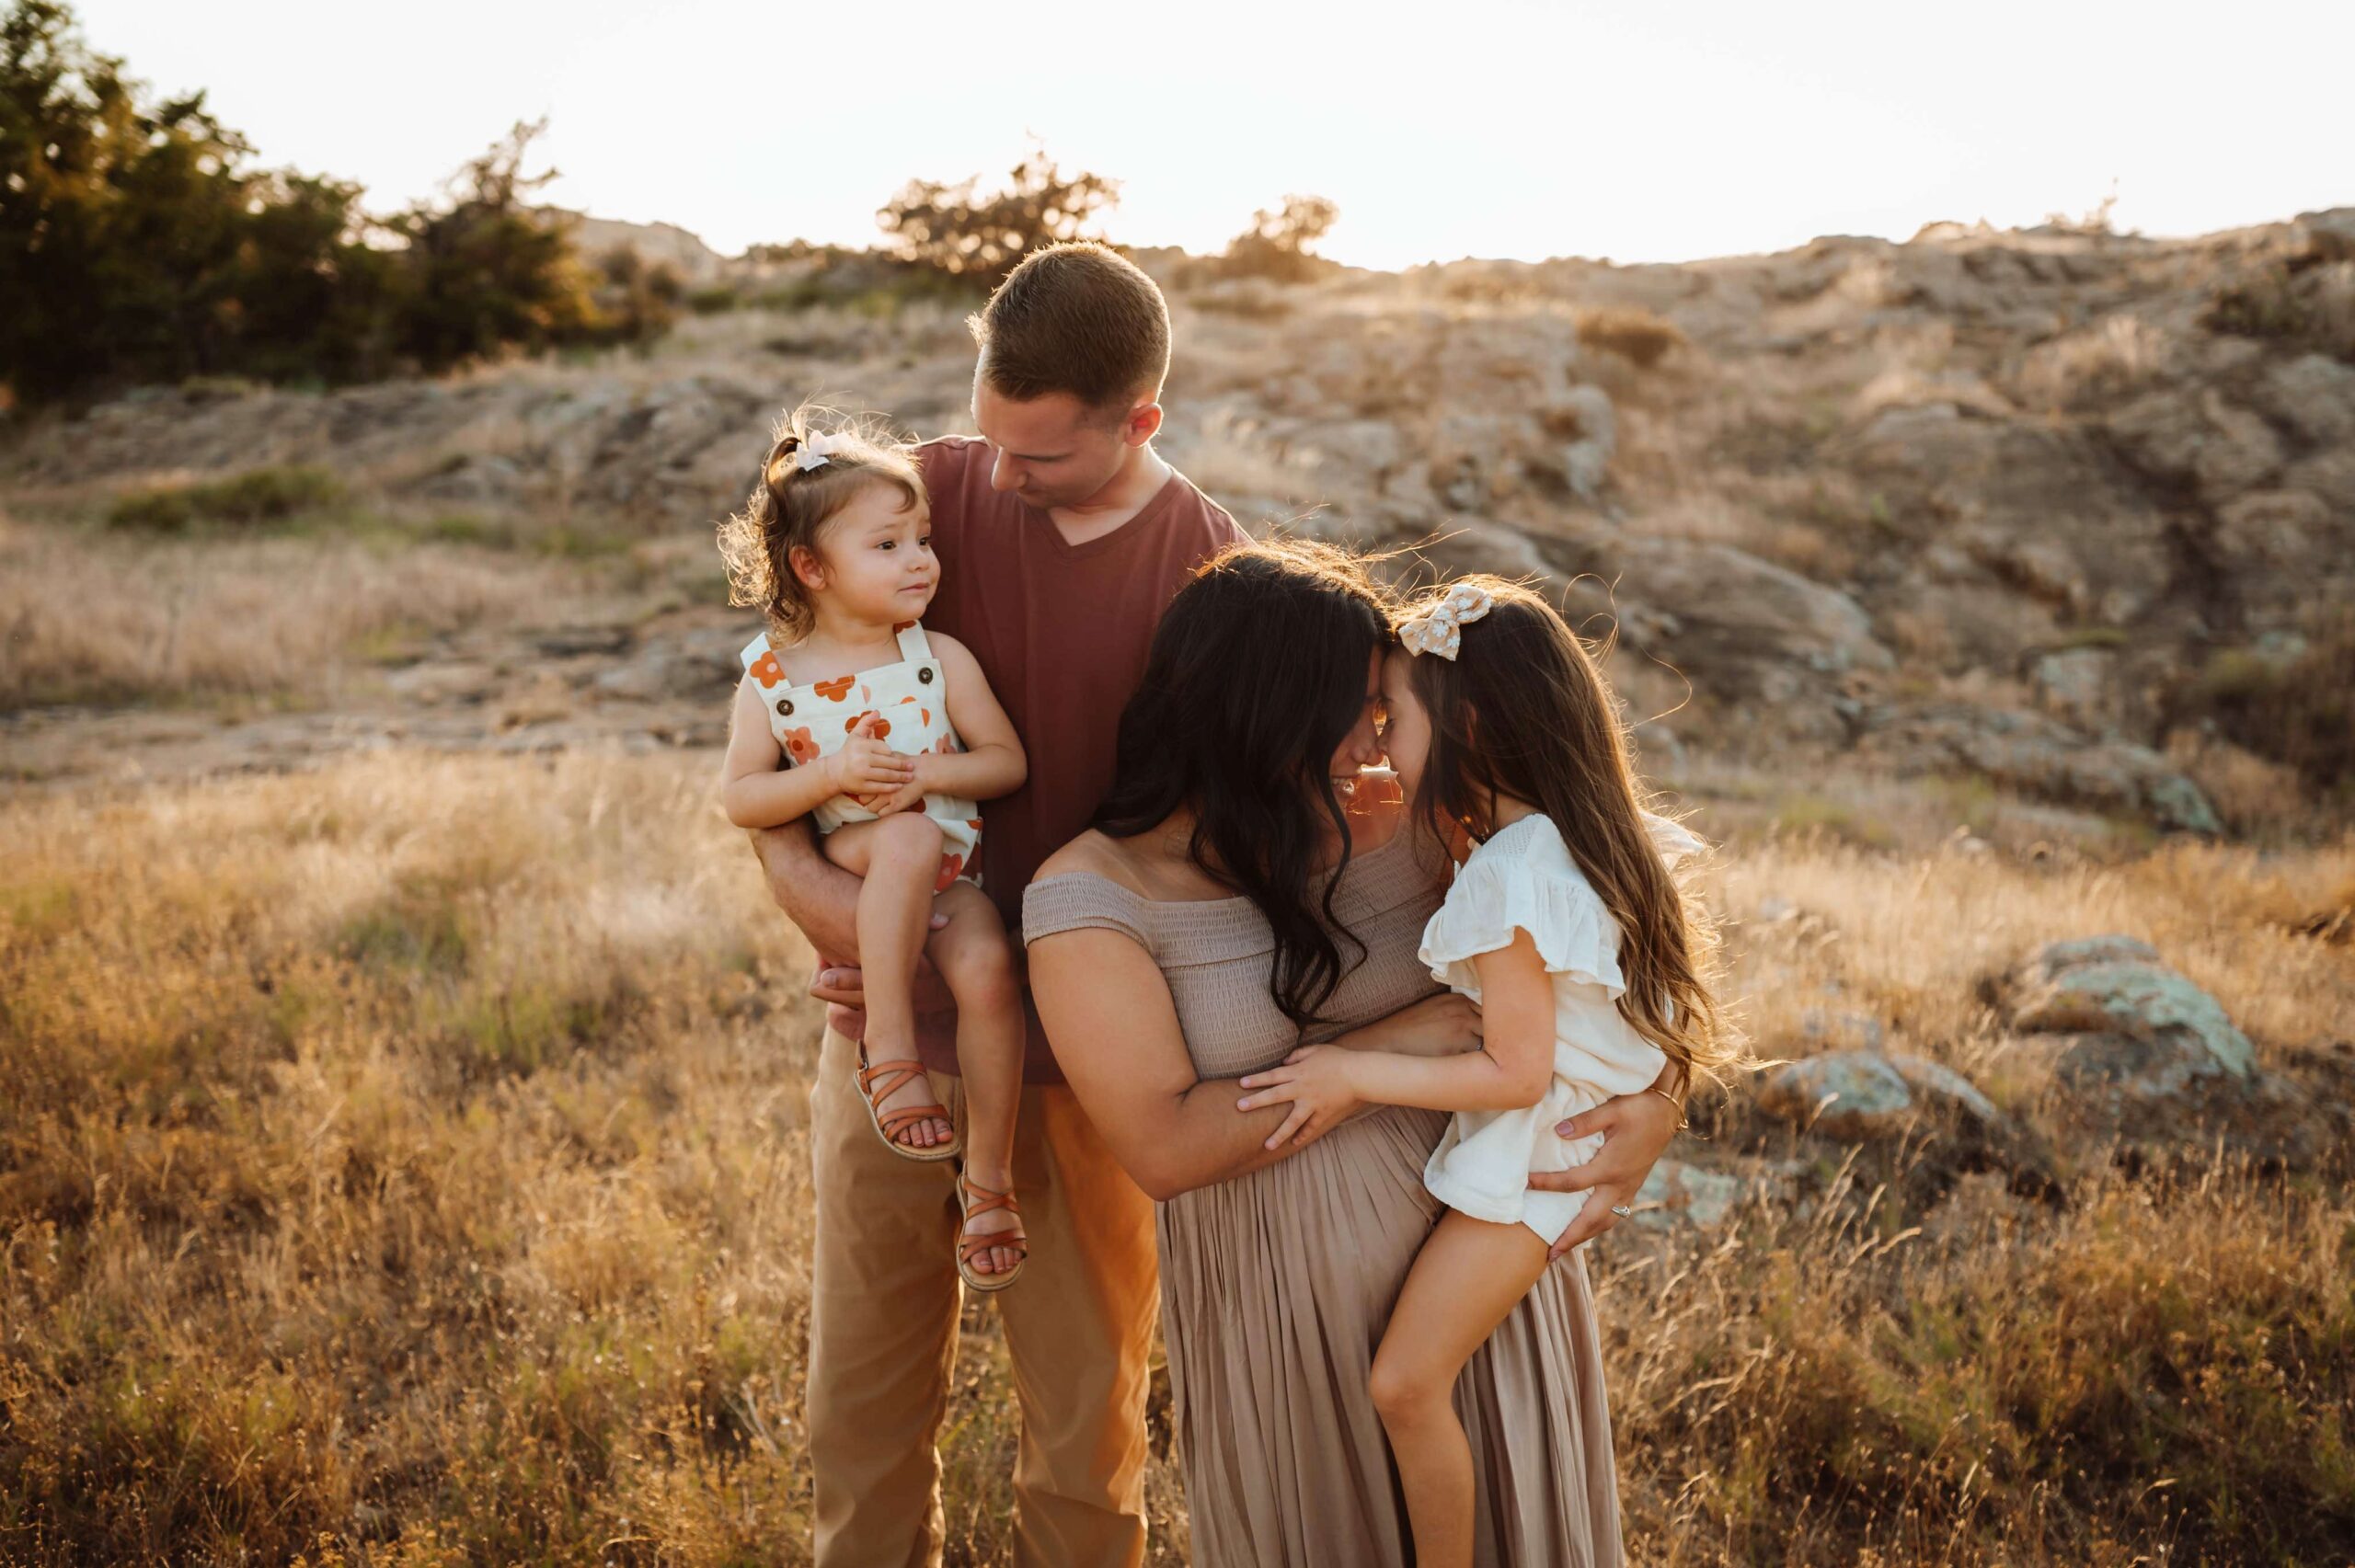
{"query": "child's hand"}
{"type": "Point", "coordinates": [1319, 1081]}
{"type": "Point", "coordinates": [864, 767]}
{"type": "Point", "coordinates": [911, 794]}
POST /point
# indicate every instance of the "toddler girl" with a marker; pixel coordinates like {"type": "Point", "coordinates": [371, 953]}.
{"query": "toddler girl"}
{"type": "Point", "coordinates": [888, 738]}
{"type": "Point", "coordinates": [1588, 963]}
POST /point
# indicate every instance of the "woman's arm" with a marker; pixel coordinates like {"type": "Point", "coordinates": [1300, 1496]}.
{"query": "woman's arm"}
{"type": "Point", "coordinates": [1512, 1069]}
{"type": "Point", "coordinates": [993, 764]}
{"type": "Point", "coordinates": [1107, 1009]}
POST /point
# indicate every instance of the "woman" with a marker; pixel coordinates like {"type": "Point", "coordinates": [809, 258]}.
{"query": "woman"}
{"type": "Point", "coordinates": [1227, 906]}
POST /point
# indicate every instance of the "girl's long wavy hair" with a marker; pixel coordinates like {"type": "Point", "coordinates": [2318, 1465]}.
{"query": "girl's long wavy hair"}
{"type": "Point", "coordinates": [1256, 674]}
{"type": "Point", "coordinates": [1522, 711]}
{"type": "Point", "coordinates": [791, 506]}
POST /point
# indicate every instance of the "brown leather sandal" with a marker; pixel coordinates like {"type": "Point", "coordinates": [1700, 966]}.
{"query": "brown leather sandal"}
{"type": "Point", "coordinates": [877, 1084]}
{"type": "Point", "coordinates": [972, 1200]}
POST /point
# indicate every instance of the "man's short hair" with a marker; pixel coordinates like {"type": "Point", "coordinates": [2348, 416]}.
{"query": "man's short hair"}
{"type": "Point", "coordinates": [1080, 318]}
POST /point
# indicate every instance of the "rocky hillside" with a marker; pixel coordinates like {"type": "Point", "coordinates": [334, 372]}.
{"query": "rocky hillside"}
{"type": "Point", "coordinates": [2072, 512]}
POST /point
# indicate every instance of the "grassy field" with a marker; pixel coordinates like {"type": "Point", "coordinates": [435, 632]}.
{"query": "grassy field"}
{"type": "Point", "coordinates": [403, 1163]}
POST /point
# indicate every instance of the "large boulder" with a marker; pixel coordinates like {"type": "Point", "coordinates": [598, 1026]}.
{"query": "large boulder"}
{"type": "Point", "coordinates": [1865, 1096]}
{"type": "Point", "coordinates": [2122, 1020]}
{"type": "Point", "coordinates": [2041, 756]}
{"type": "Point", "coordinates": [2192, 436]}
{"type": "Point", "coordinates": [1740, 624]}
{"type": "Point", "coordinates": [1857, 1096]}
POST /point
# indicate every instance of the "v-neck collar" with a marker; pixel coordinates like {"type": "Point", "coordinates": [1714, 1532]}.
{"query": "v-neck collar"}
{"type": "Point", "coordinates": [1153, 509]}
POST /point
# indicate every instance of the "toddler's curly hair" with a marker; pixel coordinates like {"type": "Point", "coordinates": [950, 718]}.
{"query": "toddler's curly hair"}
{"type": "Point", "coordinates": [791, 506]}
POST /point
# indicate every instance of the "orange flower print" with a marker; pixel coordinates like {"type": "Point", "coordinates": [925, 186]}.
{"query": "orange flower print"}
{"type": "Point", "coordinates": [906, 699]}
{"type": "Point", "coordinates": [947, 745]}
{"type": "Point", "coordinates": [950, 865]}
{"type": "Point", "coordinates": [834, 691]}
{"type": "Point", "coordinates": [800, 746]}
{"type": "Point", "coordinates": [882, 730]}
{"type": "Point", "coordinates": [925, 716]}
{"type": "Point", "coordinates": [767, 670]}
{"type": "Point", "coordinates": [974, 823]}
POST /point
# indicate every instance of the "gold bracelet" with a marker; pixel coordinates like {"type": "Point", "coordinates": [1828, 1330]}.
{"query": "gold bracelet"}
{"type": "Point", "coordinates": [1682, 1121]}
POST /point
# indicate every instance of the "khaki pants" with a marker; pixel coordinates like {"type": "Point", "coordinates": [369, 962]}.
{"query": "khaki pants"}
{"type": "Point", "coordinates": [884, 1304]}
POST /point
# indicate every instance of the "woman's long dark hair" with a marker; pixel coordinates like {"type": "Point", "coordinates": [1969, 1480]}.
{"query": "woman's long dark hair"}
{"type": "Point", "coordinates": [1258, 674]}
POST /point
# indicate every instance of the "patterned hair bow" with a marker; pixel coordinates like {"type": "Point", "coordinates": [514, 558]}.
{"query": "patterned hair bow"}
{"type": "Point", "coordinates": [1439, 627]}
{"type": "Point", "coordinates": [816, 452]}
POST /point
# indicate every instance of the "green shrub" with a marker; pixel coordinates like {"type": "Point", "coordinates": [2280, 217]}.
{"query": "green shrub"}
{"type": "Point", "coordinates": [2299, 710]}
{"type": "Point", "coordinates": [1277, 244]}
{"type": "Point", "coordinates": [257, 496]}
{"type": "Point", "coordinates": [976, 236]}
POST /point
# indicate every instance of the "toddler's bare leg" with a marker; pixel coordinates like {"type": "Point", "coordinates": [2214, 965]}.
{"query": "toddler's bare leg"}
{"type": "Point", "coordinates": [1467, 1278]}
{"type": "Point", "coordinates": [899, 860]}
{"type": "Point", "coordinates": [973, 956]}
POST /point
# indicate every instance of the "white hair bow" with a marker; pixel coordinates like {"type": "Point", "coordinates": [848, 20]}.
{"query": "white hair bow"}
{"type": "Point", "coordinates": [1439, 628]}
{"type": "Point", "coordinates": [817, 451]}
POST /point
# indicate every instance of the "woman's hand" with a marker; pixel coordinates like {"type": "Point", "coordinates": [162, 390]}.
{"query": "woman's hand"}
{"type": "Point", "coordinates": [1318, 1081]}
{"type": "Point", "coordinates": [1636, 1128]}
{"type": "Point", "coordinates": [1442, 1026]}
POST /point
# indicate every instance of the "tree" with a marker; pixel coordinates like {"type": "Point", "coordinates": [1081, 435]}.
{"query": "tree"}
{"type": "Point", "coordinates": [963, 233]}
{"type": "Point", "coordinates": [138, 241]}
{"type": "Point", "coordinates": [115, 217]}
{"type": "Point", "coordinates": [1277, 244]}
{"type": "Point", "coordinates": [484, 268]}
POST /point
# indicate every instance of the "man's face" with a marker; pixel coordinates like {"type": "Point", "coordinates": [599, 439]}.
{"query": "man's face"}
{"type": "Point", "coordinates": [1051, 451]}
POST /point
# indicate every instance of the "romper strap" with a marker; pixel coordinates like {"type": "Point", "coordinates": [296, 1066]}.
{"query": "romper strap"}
{"type": "Point", "coordinates": [753, 649]}
{"type": "Point", "coordinates": [913, 646]}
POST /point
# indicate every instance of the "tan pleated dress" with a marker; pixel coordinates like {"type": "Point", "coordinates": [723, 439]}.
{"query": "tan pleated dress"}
{"type": "Point", "coordinates": [1276, 1285]}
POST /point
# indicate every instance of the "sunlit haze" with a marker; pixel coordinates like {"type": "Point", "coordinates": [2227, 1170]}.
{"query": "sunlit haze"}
{"type": "Point", "coordinates": [1484, 128]}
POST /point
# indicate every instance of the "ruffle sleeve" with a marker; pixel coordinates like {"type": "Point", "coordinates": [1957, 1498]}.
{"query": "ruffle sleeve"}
{"type": "Point", "coordinates": [1495, 896]}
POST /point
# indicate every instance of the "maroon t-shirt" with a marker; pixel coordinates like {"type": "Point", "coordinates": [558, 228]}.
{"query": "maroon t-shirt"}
{"type": "Point", "coordinates": [1062, 631]}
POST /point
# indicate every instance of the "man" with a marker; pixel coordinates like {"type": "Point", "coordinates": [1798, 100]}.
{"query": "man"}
{"type": "Point", "coordinates": [1062, 537]}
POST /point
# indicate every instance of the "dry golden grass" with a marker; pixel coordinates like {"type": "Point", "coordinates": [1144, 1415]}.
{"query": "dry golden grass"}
{"type": "Point", "coordinates": [404, 1163]}
{"type": "Point", "coordinates": [100, 618]}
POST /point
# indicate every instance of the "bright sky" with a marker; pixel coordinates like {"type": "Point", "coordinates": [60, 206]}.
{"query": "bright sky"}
{"type": "Point", "coordinates": [1649, 130]}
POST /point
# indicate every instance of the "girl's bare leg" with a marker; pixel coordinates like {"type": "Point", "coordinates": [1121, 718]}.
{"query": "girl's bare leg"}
{"type": "Point", "coordinates": [973, 956]}
{"type": "Point", "coordinates": [899, 860]}
{"type": "Point", "coordinates": [1467, 1278]}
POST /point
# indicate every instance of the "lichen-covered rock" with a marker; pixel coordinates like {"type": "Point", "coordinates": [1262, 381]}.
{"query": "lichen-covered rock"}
{"type": "Point", "coordinates": [1860, 1095]}
{"type": "Point", "coordinates": [2127, 1020]}
{"type": "Point", "coordinates": [1676, 1193]}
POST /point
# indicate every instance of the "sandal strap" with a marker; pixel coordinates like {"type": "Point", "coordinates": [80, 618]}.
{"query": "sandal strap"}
{"type": "Point", "coordinates": [882, 1082]}
{"type": "Point", "coordinates": [980, 1199]}
{"type": "Point", "coordinates": [894, 1123]}
{"type": "Point", "coordinates": [970, 1247]}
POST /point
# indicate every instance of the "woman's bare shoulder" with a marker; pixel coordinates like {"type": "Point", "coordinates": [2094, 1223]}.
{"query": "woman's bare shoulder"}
{"type": "Point", "coordinates": [1095, 854]}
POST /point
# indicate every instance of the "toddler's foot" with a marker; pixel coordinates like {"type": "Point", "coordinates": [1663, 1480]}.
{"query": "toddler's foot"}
{"type": "Point", "coordinates": [899, 1103]}
{"type": "Point", "coordinates": [992, 1246]}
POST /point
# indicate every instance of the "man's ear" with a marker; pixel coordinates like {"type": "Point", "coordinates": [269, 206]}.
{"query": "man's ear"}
{"type": "Point", "coordinates": [1141, 425]}
{"type": "Point", "coordinates": [808, 570]}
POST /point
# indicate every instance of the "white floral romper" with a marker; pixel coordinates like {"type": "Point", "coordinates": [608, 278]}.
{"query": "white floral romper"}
{"type": "Point", "coordinates": [908, 698]}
